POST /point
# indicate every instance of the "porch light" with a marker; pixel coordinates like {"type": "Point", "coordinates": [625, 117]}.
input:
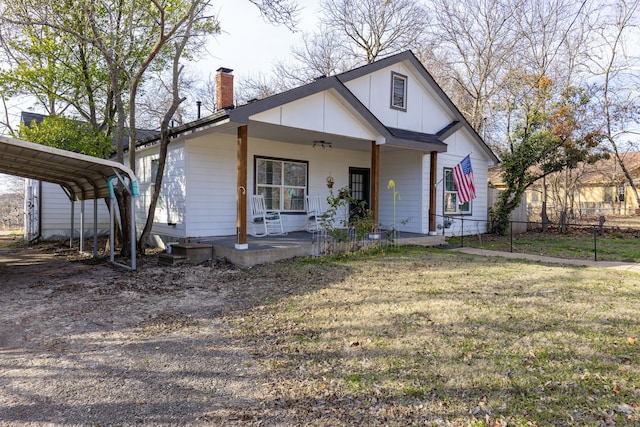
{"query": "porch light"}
{"type": "Point", "coordinates": [322, 144]}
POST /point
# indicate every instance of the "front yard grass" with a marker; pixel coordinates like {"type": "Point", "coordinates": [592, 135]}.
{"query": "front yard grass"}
{"type": "Point", "coordinates": [610, 245]}
{"type": "Point", "coordinates": [415, 336]}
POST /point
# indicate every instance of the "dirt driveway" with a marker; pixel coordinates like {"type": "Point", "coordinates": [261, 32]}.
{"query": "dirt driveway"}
{"type": "Point", "coordinates": [86, 343]}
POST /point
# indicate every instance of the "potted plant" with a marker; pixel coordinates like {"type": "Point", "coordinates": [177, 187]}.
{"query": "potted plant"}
{"type": "Point", "coordinates": [365, 226]}
{"type": "Point", "coordinates": [330, 181]}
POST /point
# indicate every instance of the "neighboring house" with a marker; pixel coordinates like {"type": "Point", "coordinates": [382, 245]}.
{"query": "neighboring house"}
{"type": "Point", "coordinates": [384, 121]}
{"type": "Point", "coordinates": [590, 190]}
{"type": "Point", "coordinates": [604, 190]}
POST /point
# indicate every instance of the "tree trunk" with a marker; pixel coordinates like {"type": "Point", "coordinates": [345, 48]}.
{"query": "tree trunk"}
{"type": "Point", "coordinates": [165, 138]}
{"type": "Point", "coordinates": [124, 208]}
{"type": "Point", "coordinates": [143, 243]}
{"type": "Point", "coordinates": [545, 217]}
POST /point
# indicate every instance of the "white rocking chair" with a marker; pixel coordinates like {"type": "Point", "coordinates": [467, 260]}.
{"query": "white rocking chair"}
{"type": "Point", "coordinates": [265, 223]}
{"type": "Point", "coordinates": [315, 214]}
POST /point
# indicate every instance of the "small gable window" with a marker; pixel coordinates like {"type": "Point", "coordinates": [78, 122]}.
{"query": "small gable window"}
{"type": "Point", "coordinates": [398, 91]}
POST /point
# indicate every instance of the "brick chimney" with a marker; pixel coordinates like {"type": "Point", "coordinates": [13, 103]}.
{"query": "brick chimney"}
{"type": "Point", "coordinates": [224, 88]}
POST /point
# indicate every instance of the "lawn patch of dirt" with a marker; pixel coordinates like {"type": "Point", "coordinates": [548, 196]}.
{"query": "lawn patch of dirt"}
{"type": "Point", "coordinates": [92, 344]}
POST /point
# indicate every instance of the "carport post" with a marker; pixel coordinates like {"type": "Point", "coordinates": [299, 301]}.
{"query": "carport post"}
{"type": "Point", "coordinates": [112, 201]}
{"type": "Point", "coordinates": [132, 237]}
{"type": "Point", "coordinates": [95, 226]}
{"type": "Point", "coordinates": [73, 206]}
{"type": "Point", "coordinates": [82, 225]}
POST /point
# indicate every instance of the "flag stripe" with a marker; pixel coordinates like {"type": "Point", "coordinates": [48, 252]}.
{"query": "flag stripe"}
{"type": "Point", "coordinates": [463, 179]}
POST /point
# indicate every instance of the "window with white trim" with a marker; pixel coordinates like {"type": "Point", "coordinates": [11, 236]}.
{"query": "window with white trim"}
{"type": "Point", "coordinates": [621, 192]}
{"type": "Point", "coordinates": [283, 183]}
{"type": "Point", "coordinates": [398, 91]}
{"type": "Point", "coordinates": [155, 164]}
{"type": "Point", "coordinates": [451, 206]}
{"type": "Point", "coordinates": [608, 194]}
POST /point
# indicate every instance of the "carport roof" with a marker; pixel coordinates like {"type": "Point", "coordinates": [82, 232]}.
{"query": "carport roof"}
{"type": "Point", "coordinates": [83, 177]}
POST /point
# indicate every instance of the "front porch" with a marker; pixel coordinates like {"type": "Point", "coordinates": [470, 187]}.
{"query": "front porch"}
{"type": "Point", "coordinates": [295, 244]}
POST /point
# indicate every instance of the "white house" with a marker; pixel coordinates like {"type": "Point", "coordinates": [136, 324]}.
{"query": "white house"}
{"type": "Point", "coordinates": [384, 121]}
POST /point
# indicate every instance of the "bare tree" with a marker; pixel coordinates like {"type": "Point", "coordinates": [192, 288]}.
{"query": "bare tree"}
{"type": "Point", "coordinates": [157, 97]}
{"type": "Point", "coordinates": [351, 33]}
{"type": "Point", "coordinates": [479, 40]}
{"type": "Point", "coordinates": [165, 136]}
{"type": "Point", "coordinates": [371, 29]}
{"type": "Point", "coordinates": [282, 12]}
{"type": "Point", "coordinates": [258, 86]}
{"type": "Point", "coordinates": [321, 54]}
{"type": "Point", "coordinates": [615, 68]}
{"type": "Point", "coordinates": [11, 202]}
{"type": "Point", "coordinates": [549, 34]}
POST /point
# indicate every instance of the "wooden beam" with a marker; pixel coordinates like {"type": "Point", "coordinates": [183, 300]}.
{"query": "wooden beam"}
{"type": "Point", "coordinates": [375, 179]}
{"type": "Point", "coordinates": [241, 192]}
{"type": "Point", "coordinates": [433, 191]}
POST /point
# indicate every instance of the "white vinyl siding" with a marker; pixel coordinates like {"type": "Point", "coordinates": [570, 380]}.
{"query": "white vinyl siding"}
{"type": "Point", "coordinates": [211, 185]}
{"type": "Point", "coordinates": [404, 167]}
{"type": "Point", "coordinates": [459, 145]}
{"type": "Point", "coordinates": [56, 214]}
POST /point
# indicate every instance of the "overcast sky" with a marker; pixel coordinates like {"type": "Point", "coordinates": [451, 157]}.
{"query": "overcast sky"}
{"type": "Point", "coordinates": [250, 45]}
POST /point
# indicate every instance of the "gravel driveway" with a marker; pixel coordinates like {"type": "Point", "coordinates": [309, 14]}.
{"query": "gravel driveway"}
{"type": "Point", "coordinates": [84, 343]}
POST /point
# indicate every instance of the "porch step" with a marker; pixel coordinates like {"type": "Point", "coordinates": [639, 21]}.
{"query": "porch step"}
{"type": "Point", "coordinates": [171, 259]}
{"type": "Point", "coordinates": [192, 253]}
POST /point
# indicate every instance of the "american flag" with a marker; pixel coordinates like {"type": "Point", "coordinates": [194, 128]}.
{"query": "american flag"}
{"type": "Point", "coordinates": [463, 179]}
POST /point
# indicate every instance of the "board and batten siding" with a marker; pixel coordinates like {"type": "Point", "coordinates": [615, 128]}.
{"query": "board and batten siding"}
{"type": "Point", "coordinates": [406, 169]}
{"type": "Point", "coordinates": [322, 112]}
{"type": "Point", "coordinates": [424, 112]}
{"type": "Point", "coordinates": [459, 145]}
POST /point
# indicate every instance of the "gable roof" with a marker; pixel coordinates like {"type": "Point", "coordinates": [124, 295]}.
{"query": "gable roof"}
{"type": "Point", "coordinates": [604, 172]}
{"type": "Point", "coordinates": [392, 136]}
{"type": "Point", "coordinates": [242, 114]}
{"type": "Point", "coordinates": [28, 118]}
{"type": "Point", "coordinates": [460, 120]}
{"type": "Point", "coordinates": [607, 171]}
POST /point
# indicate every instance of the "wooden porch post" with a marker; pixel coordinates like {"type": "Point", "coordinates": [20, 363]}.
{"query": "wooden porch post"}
{"type": "Point", "coordinates": [433, 190]}
{"type": "Point", "coordinates": [375, 179]}
{"type": "Point", "coordinates": [241, 190]}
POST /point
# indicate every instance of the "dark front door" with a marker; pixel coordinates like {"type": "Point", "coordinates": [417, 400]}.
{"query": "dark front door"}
{"type": "Point", "coordinates": [359, 185]}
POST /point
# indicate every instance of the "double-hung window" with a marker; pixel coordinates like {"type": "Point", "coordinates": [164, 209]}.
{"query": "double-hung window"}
{"type": "Point", "coordinates": [155, 163]}
{"type": "Point", "coordinates": [283, 183]}
{"type": "Point", "coordinates": [398, 91]}
{"type": "Point", "coordinates": [451, 205]}
{"type": "Point", "coordinates": [621, 192]}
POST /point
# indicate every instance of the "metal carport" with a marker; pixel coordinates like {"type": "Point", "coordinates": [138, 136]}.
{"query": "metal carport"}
{"type": "Point", "coordinates": [82, 178]}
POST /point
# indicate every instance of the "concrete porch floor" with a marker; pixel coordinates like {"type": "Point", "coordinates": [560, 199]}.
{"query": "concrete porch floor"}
{"type": "Point", "coordinates": [268, 249]}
